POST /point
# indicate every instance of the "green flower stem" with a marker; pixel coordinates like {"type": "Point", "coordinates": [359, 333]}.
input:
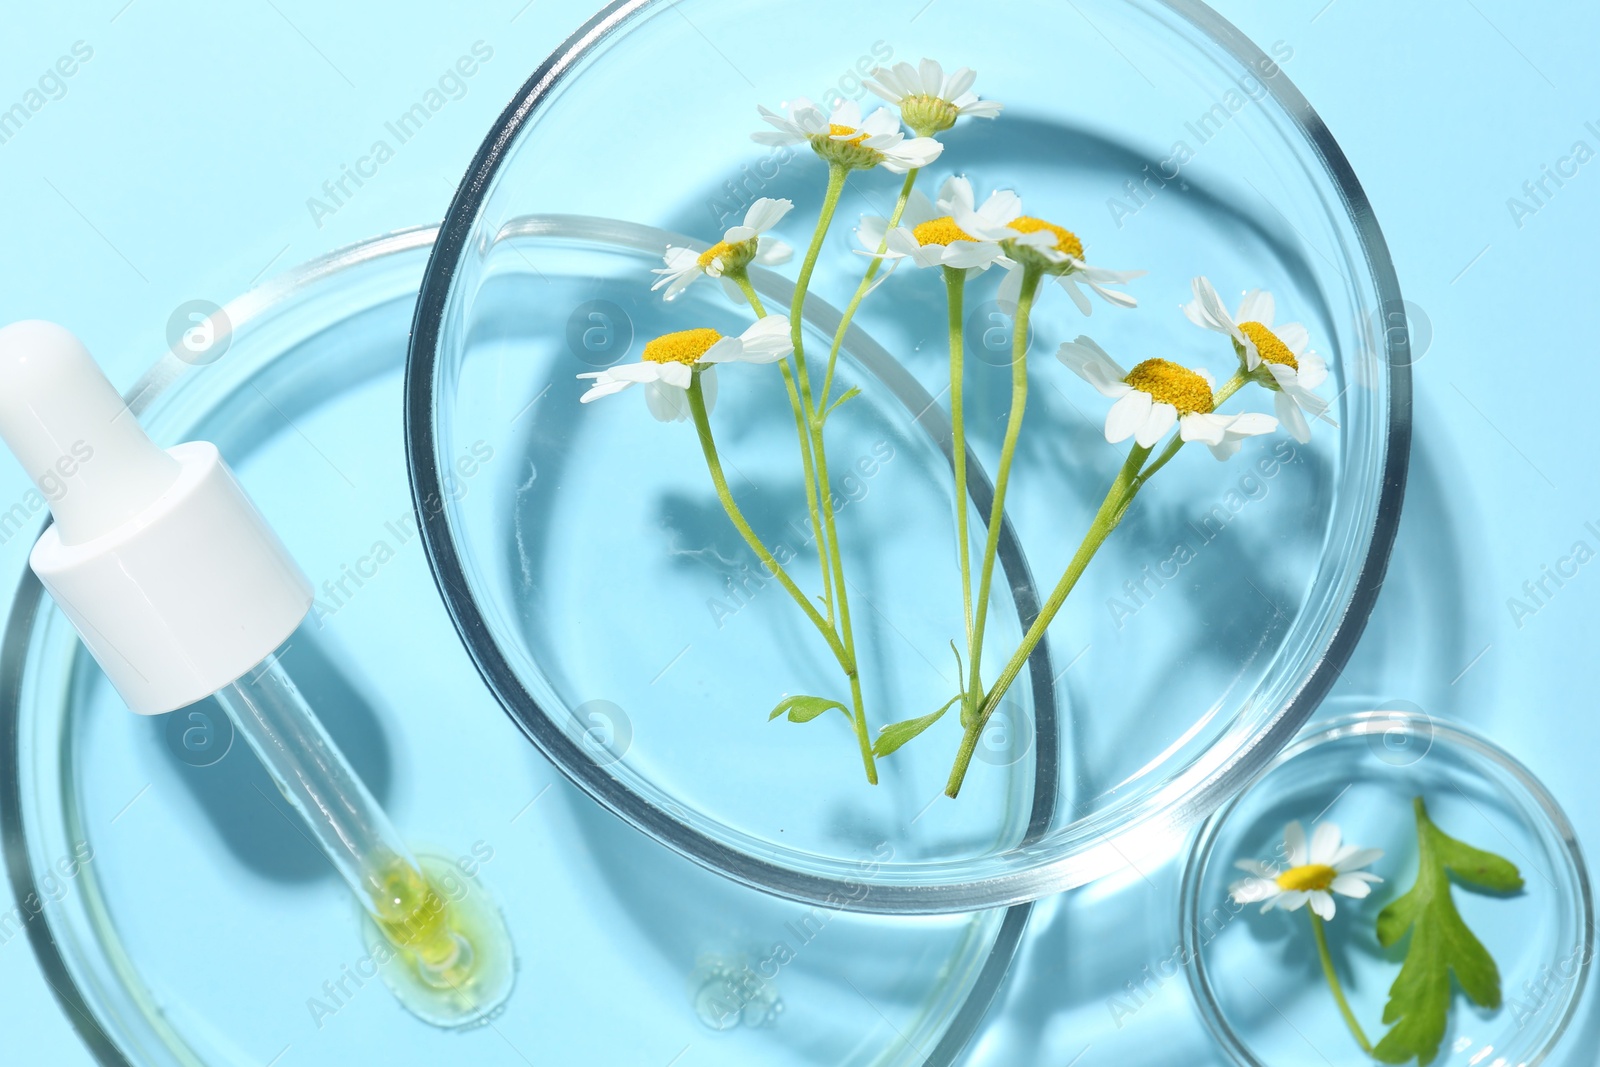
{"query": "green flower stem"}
{"type": "Point", "coordinates": [741, 278]}
{"type": "Point", "coordinates": [873, 266]}
{"type": "Point", "coordinates": [955, 280]}
{"type": "Point", "coordinates": [1123, 487]}
{"type": "Point", "coordinates": [830, 204]}
{"type": "Point", "coordinates": [1333, 983]}
{"type": "Point", "coordinates": [1002, 479]}
{"type": "Point", "coordinates": [697, 408]}
{"type": "Point", "coordinates": [1129, 481]}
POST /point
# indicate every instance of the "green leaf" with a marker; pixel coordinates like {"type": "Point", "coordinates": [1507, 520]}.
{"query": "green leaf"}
{"type": "Point", "coordinates": [850, 393]}
{"type": "Point", "coordinates": [1441, 944]}
{"type": "Point", "coordinates": [894, 735]}
{"type": "Point", "coordinates": [804, 708]}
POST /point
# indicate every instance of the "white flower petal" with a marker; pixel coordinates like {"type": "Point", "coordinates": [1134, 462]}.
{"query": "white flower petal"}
{"type": "Point", "coordinates": [1294, 844]}
{"type": "Point", "coordinates": [1208, 429]}
{"type": "Point", "coordinates": [1313, 370]}
{"type": "Point", "coordinates": [602, 388]}
{"type": "Point", "coordinates": [1162, 417]}
{"type": "Point", "coordinates": [767, 340]}
{"type": "Point", "coordinates": [667, 403]}
{"type": "Point", "coordinates": [932, 76]}
{"type": "Point", "coordinates": [1257, 306]}
{"type": "Point", "coordinates": [1294, 335]}
{"type": "Point", "coordinates": [982, 109]}
{"type": "Point", "coordinates": [726, 350]}
{"type": "Point", "coordinates": [1349, 859]}
{"type": "Point", "coordinates": [1325, 840]}
{"type": "Point", "coordinates": [871, 232]}
{"type": "Point", "coordinates": [1010, 293]}
{"type": "Point", "coordinates": [708, 388]}
{"type": "Point", "coordinates": [766, 213]}
{"type": "Point", "coordinates": [1350, 886]}
{"type": "Point", "coordinates": [1206, 310]}
{"type": "Point", "coordinates": [956, 192]}
{"type": "Point", "coordinates": [1066, 282]}
{"type": "Point", "coordinates": [957, 84]}
{"type": "Point", "coordinates": [1094, 365]}
{"type": "Point", "coordinates": [1253, 890]}
{"type": "Point", "coordinates": [1322, 904]}
{"type": "Point", "coordinates": [913, 154]}
{"type": "Point", "coordinates": [1294, 421]}
{"type": "Point", "coordinates": [980, 254]}
{"type": "Point", "coordinates": [1256, 867]}
{"type": "Point", "coordinates": [1002, 207]}
{"type": "Point", "coordinates": [1291, 899]}
{"type": "Point", "coordinates": [770, 251]}
{"type": "Point", "coordinates": [1127, 415]}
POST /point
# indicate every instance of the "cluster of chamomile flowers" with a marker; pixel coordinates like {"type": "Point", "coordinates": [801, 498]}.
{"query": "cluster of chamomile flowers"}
{"type": "Point", "coordinates": [957, 233]}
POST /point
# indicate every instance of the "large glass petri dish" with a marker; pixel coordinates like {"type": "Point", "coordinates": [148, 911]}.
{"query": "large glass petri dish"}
{"type": "Point", "coordinates": [181, 917]}
{"type": "Point", "coordinates": [597, 571]}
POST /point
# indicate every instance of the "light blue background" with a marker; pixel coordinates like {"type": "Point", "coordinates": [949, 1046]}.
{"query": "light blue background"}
{"type": "Point", "coordinates": [179, 162]}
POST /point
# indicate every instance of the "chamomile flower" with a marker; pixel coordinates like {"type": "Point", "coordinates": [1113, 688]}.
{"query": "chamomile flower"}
{"type": "Point", "coordinates": [671, 361]}
{"type": "Point", "coordinates": [1314, 873]}
{"type": "Point", "coordinates": [928, 234]}
{"type": "Point", "coordinates": [1157, 394]}
{"type": "Point", "coordinates": [929, 100]}
{"type": "Point", "coordinates": [740, 246]}
{"type": "Point", "coordinates": [846, 139]}
{"type": "Point", "coordinates": [1053, 250]}
{"type": "Point", "coordinates": [1278, 357]}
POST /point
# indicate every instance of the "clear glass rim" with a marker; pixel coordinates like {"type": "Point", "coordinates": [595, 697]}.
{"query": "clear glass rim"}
{"type": "Point", "coordinates": [263, 302]}
{"type": "Point", "coordinates": [1010, 887]}
{"type": "Point", "coordinates": [1370, 724]}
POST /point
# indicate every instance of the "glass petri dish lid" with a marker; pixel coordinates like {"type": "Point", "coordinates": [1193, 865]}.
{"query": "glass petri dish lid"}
{"type": "Point", "coordinates": [597, 573]}
{"type": "Point", "coordinates": [1256, 978]}
{"type": "Point", "coordinates": [184, 920]}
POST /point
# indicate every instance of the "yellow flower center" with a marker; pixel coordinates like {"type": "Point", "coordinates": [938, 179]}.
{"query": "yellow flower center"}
{"type": "Point", "coordinates": [1170, 383]}
{"type": "Point", "coordinates": [1066, 240]}
{"type": "Point", "coordinates": [1268, 345]}
{"type": "Point", "coordinates": [1308, 876]}
{"type": "Point", "coordinates": [685, 346]}
{"type": "Point", "coordinates": [837, 130]}
{"type": "Point", "coordinates": [721, 249]}
{"type": "Point", "coordinates": [940, 232]}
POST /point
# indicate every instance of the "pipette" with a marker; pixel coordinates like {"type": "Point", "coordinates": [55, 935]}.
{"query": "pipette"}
{"type": "Point", "coordinates": [181, 590]}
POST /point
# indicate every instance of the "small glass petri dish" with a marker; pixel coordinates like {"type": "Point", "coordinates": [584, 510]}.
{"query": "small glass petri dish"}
{"type": "Point", "coordinates": [595, 568]}
{"type": "Point", "coordinates": [181, 917]}
{"type": "Point", "coordinates": [1256, 978]}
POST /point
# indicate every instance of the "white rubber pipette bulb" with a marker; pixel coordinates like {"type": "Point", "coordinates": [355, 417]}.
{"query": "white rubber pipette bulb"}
{"type": "Point", "coordinates": [77, 440]}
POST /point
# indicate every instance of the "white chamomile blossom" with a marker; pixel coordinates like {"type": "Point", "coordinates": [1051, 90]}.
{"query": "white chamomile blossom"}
{"type": "Point", "coordinates": [1051, 249]}
{"type": "Point", "coordinates": [846, 139]}
{"type": "Point", "coordinates": [740, 246]}
{"type": "Point", "coordinates": [928, 234]}
{"type": "Point", "coordinates": [1315, 872]}
{"type": "Point", "coordinates": [929, 101]}
{"type": "Point", "coordinates": [1278, 357]}
{"type": "Point", "coordinates": [671, 361]}
{"type": "Point", "coordinates": [1157, 394]}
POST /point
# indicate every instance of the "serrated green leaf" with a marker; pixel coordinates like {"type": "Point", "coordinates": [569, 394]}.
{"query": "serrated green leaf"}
{"type": "Point", "coordinates": [804, 709]}
{"type": "Point", "coordinates": [894, 735]}
{"type": "Point", "coordinates": [1441, 944]}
